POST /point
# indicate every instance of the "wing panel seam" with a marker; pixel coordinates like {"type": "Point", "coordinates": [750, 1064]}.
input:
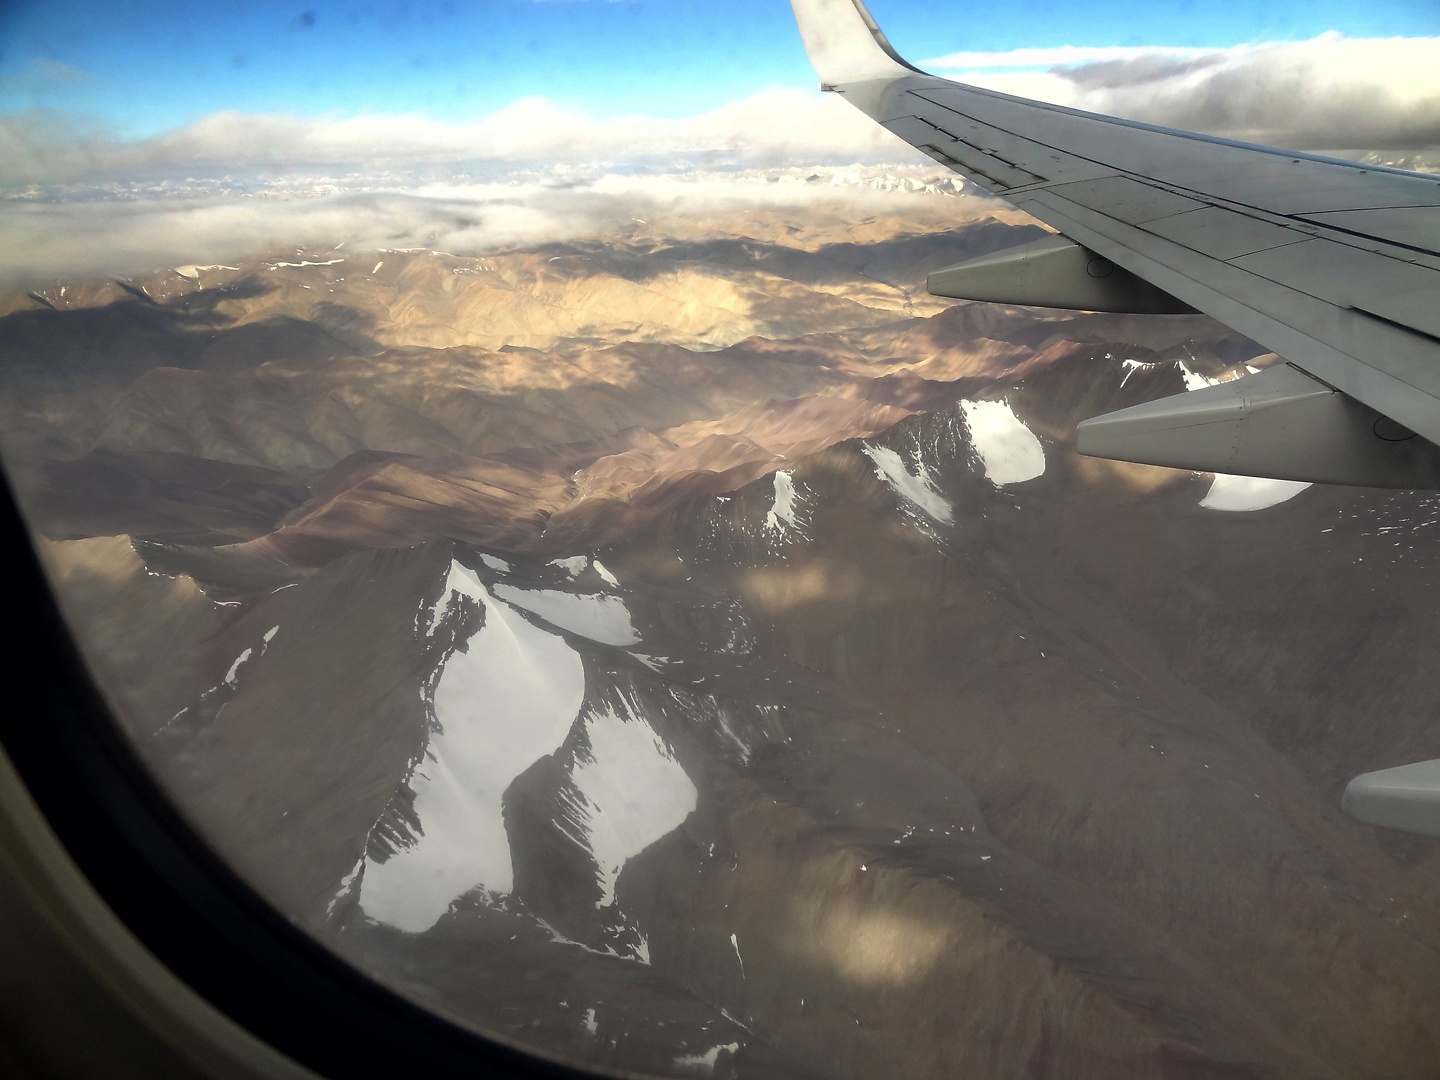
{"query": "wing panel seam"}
{"type": "Point", "coordinates": [1395, 403]}
{"type": "Point", "coordinates": [1258, 213]}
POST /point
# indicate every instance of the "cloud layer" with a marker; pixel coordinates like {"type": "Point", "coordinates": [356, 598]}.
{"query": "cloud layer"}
{"type": "Point", "coordinates": [236, 184]}
{"type": "Point", "coordinates": [782, 126]}
{"type": "Point", "coordinates": [1330, 93]}
{"type": "Point", "coordinates": [49, 240]}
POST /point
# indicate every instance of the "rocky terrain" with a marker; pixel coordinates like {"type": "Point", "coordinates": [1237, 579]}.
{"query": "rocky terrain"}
{"type": "Point", "coordinates": [702, 653]}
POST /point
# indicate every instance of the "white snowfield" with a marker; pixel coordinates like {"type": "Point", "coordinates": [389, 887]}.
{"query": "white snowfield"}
{"type": "Point", "coordinates": [504, 699]}
{"type": "Point", "coordinates": [1008, 450]}
{"type": "Point", "coordinates": [628, 792]}
{"type": "Point", "coordinates": [917, 488]}
{"type": "Point", "coordinates": [782, 517]}
{"type": "Point", "coordinates": [327, 262]}
{"type": "Point", "coordinates": [1193, 379]}
{"type": "Point", "coordinates": [192, 271]}
{"type": "Point", "coordinates": [508, 698]}
{"type": "Point", "coordinates": [601, 618]}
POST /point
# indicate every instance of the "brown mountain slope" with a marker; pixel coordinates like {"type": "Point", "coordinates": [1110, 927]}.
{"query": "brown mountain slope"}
{"type": "Point", "coordinates": [1048, 788]}
{"type": "Point", "coordinates": [783, 705]}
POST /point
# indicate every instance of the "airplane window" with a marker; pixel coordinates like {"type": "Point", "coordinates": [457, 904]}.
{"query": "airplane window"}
{"type": "Point", "coordinates": [507, 475]}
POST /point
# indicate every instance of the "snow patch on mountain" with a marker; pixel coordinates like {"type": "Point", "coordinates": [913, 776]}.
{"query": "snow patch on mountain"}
{"type": "Point", "coordinates": [191, 271]}
{"type": "Point", "coordinates": [235, 667]}
{"type": "Point", "coordinates": [188, 720]}
{"type": "Point", "coordinates": [787, 515]}
{"type": "Point", "coordinates": [503, 699]}
{"type": "Point", "coordinates": [918, 488]}
{"type": "Point", "coordinates": [708, 1060]}
{"type": "Point", "coordinates": [625, 793]}
{"type": "Point", "coordinates": [601, 618]}
{"type": "Point", "coordinates": [1008, 450]}
{"type": "Point", "coordinates": [1193, 379]}
{"type": "Point", "coordinates": [327, 262]}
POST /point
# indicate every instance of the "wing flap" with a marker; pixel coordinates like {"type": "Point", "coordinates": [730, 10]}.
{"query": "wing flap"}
{"type": "Point", "coordinates": [1126, 199]}
{"type": "Point", "coordinates": [1416, 227]}
{"type": "Point", "coordinates": [1222, 234]}
{"type": "Point", "coordinates": [1349, 277]}
{"type": "Point", "coordinates": [1053, 272]}
{"type": "Point", "coordinates": [964, 157]}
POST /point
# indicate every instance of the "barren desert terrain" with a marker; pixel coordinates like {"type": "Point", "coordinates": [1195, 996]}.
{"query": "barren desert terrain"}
{"type": "Point", "coordinates": [697, 651]}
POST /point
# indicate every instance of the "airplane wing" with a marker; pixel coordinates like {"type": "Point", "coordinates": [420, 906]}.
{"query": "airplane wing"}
{"type": "Point", "coordinates": [1331, 264]}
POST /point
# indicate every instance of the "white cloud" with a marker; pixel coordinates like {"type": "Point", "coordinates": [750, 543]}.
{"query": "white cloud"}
{"type": "Point", "coordinates": [1331, 92]}
{"type": "Point", "coordinates": [45, 241]}
{"type": "Point", "coordinates": [131, 206]}
{"type": "Point", "coordinates": [778, 126]}
{"type": "Point", "coordinates": [1058, 56]}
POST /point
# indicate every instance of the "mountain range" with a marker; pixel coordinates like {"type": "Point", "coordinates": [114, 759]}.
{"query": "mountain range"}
{"type": "Point", "coordinates": [704, 653]}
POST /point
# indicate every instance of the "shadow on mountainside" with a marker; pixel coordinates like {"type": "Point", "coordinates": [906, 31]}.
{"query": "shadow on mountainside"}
{"type": "Point", "coordinates": [901, 261]}
{"type": "Point", "coordinates": [123, 339]}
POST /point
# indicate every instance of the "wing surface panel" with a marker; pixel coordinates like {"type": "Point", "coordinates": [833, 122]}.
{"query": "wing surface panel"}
{"type": "Point", "coordinates": [1127, 199]}
{"type": "Point", "coordinates": [1413, 226]}
{"type": "Point", "coordinates": [1315, 334]}
{"type": "Point", "coordinates": [1278, 181]}
{"type": "Point", "coordinates": [1223, 234]}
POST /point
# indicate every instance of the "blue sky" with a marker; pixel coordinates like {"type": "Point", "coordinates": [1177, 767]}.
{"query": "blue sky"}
{"type": "Point", "coordinates": [153, 65]}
